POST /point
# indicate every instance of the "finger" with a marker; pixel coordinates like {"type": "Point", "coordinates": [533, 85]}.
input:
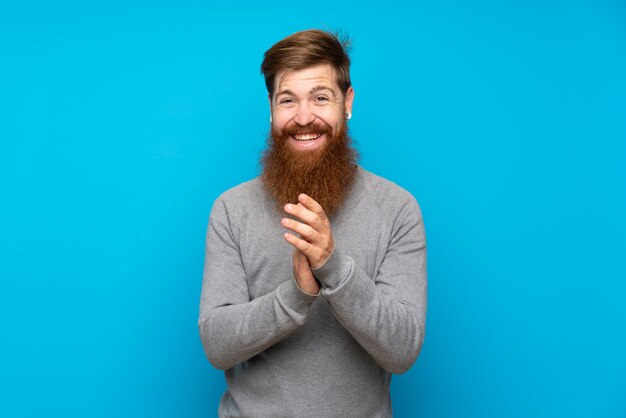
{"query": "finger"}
{"type": "Point", "coordinates": [299, 244]}
{"type": "Point", "coordinates": [296, 257]}
{"type": "Point", "coordinates": [305, 279]}
{"type": "Point", "coordinates": [312, 205]}
{"type": "Point", "coordinates": [301, 266]}
{"type": "Point", "coordinates": [305, 231]}
{"type": "Point", "coordinates": [301, 263]}
{"type": "Point", "coordinates": [305, 215]}
{"type": "Point", "coordinates": [300, 260]}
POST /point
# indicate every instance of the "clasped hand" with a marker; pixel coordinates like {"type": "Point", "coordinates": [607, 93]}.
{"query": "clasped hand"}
{"type": "Point", "coordinates": [315, 243]}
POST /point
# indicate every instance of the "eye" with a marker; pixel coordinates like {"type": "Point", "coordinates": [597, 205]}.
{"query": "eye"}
{"type": "Point", "coordinates": [321, 99]}
{"type": "Point", "coordinates": [285, 101]}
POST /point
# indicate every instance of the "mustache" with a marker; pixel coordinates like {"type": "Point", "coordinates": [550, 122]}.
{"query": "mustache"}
{"type": "Point", "coordinates": [313, 127]}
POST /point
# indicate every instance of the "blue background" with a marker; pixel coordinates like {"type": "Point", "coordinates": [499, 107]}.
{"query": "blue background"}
{"type": "Point", "coordinates": [121, 122]}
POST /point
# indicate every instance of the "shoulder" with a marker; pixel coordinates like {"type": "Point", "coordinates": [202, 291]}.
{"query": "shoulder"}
{"type": "Point", "coordinates": [241, 198]}
{"type": "Point", "coordinates": [384, 202]}
{"type": "Point", "coordinates": [385, 194]}
{"type": "Point", "coordinates": [249, 190]}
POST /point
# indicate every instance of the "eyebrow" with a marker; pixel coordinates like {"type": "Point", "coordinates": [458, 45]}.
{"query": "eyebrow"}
{"type": "Point", "coordinates": [313, 90]}
{"type": "Point", "coordinates": [318, 88]}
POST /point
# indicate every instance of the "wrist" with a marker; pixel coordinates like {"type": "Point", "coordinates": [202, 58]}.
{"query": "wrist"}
{"type": "Point", "coordinates": [308, 287]}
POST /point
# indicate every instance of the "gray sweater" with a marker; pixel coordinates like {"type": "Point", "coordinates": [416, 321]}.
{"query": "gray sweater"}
{"type": "Point", "coordinates": [289, 354]}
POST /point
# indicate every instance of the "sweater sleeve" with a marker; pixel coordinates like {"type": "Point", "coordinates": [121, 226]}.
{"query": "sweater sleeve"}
{"type": "Point", "coordinates": [232, 327]}
{"type": "Point", "coordinates": [385, 314]}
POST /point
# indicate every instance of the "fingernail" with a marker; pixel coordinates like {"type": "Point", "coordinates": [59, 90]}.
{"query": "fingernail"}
{"type": "Point", "coordinates": [288, 206]}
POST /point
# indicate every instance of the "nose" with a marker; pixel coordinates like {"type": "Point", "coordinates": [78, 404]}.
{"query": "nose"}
{"type": "Point", "coordinates": [304, 115]}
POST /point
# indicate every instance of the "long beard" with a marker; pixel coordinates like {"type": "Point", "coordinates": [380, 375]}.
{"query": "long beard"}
{"type": "Point", "coordinates": [326, 174]}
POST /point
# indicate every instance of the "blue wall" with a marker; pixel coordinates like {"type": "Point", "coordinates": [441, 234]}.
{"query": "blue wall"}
{"type": "Point", "coordinates": [121, 122]}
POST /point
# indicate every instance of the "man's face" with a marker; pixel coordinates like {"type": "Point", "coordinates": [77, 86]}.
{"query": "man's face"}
{"type": "Point", "coordinates": [309, 107]}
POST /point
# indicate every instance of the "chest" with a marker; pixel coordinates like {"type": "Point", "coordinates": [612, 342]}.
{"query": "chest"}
{"type": "Point", "coordinates": [267, 257]}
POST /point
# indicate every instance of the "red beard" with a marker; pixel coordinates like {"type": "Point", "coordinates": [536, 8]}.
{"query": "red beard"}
{"type": "Point", "coordinates": [326, 173]}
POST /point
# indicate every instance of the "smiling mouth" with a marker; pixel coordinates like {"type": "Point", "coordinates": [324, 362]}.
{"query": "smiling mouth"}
{"type": "Point", "coordinates": [306, 137]}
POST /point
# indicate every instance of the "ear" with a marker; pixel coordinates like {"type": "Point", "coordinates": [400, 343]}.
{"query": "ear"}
{"type": "Point", "coordinates": [269, 98]}
{"type": "Point", "coordinates": [348, 99]}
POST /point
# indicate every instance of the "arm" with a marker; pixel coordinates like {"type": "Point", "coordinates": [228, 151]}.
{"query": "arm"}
{"type": "Point", "coordinates": [232, 327]}
{"type": "Point", "coordinates": [386, 313]}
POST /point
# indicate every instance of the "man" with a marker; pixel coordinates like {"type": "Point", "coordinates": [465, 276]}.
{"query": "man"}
{"type": "Point", "coordinates": [314, 286]}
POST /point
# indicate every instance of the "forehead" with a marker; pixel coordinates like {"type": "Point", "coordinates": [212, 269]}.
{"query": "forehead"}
{"type": "Point", "coordinates": [303, 80]}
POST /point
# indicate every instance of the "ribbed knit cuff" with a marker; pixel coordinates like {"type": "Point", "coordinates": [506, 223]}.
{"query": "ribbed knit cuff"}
{"type": "Point", "coordinates": [294, 298]}
{"type": "Point", "coordinates": [334, 271]}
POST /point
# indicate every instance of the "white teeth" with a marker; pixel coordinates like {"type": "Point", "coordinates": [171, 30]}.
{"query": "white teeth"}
{"type": "Point", "coordinates": [306, 137]}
